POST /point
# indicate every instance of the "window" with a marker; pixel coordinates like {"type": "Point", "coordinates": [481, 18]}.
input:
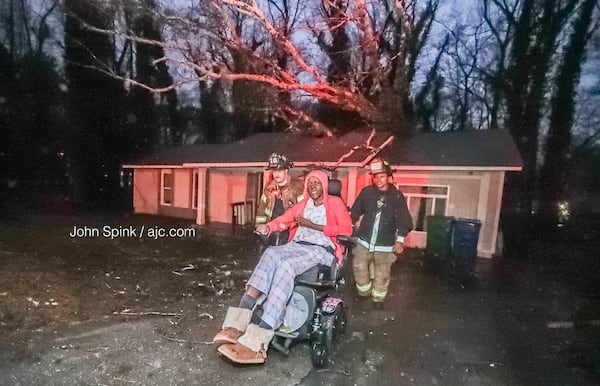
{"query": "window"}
{"type": "Point", "coordinates": [423, 201]}
{"type": "Point", "coordinates": [195, 189]}
{"type": "Point", "coordinates": [166, 187]}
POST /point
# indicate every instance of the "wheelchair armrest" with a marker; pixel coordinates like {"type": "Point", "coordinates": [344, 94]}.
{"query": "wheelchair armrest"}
{"type": "Point", "coordinates": [322, 285]}
{"type": "Point", "coordinates": [346, 241]}
{"type": "Point", "coordinates": [321, 277]}
{"type": "Point", "coordinates": [316, 278]}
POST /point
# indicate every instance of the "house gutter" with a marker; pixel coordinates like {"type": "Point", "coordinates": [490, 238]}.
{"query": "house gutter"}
{"type": "Point", "coordinates": [262, 164]}
{"type": "Point", "coordinates": [149, 166]}
{"type": "Point", "coordinates": [333, 164]}
{"type": "Point", "coordinates": [456, 168]}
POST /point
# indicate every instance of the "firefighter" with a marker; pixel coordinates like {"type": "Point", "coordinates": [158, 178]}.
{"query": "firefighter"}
{"type": "Point", "coordinates": [280, 194]}
{"type": "Point", "coordinates": [383, 221]}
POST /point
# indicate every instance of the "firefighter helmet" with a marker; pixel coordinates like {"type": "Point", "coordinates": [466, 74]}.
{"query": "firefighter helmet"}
{"type": "Point", "coordinates": [380, 166]}
{"type": "Point", "coordinates": [279, 161]}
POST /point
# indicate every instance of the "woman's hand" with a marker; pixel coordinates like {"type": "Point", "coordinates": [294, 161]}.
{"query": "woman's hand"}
{"type": "Point", "coordinates": [263, 229]}
{"type": "Point", "coordinates": [304, 222]}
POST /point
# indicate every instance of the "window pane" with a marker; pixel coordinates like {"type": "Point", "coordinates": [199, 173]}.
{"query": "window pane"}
{"type": "Point", "coordinates": [167, 196]}
{"type": "Point", "coordinates": [424, 201]}
{"type": "Point", "coordinates": [168, 180]}
{"type": "Point", "coordinates": [413, 207]}
{"type": "Point", "coordinates": [167, 187]}
{"type": "Point", "coordinates": [441, 190]}
{"type": "Point", "coordinates": [440, 206]}
{"type": "Point", "coordinates": [412, 189]}
{"type": "Point", "coordinates": [420, 208]}
{"type": "Point", "coordinates": [409, 189]}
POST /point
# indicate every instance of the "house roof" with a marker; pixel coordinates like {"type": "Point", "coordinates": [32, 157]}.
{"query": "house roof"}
{"type": "Point", "coordinates": [256, 148]}
{"type": "Point", "coordinates": [481, 148]}
{"type": "Point", "coordinates": [472, 148]}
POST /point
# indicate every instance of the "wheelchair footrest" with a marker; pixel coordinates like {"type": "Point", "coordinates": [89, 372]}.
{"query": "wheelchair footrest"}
{"type": "Point", "coordinates": [288, 335]}
{"type": "Point", "coordinates": [282, 343]}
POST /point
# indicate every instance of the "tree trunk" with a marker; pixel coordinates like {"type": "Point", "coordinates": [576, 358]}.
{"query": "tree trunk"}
{"type": "Point", "coordinates": [552, 174]}
{"type": "Point", "coordinates": [95, 106]}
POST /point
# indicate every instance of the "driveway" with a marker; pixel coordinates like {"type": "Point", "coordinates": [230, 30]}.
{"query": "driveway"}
{"type": "Point", "coordinates": [133, 309]}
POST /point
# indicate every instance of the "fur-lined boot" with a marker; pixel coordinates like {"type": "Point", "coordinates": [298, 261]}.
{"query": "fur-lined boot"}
{"type": "Point", "coordinates": [235, 324]}
{"type": "Point", "coordinates": [251, 348]}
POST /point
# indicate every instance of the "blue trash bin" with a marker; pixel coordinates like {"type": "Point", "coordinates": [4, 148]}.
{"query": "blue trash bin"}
{"type": "Point", "coordinates": [464, 244]}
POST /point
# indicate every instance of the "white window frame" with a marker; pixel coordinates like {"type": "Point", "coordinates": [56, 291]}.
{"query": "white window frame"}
{"type": "Point", "coordinates": [435, 197]}
{"type": "Point", "coordinates": [195, 188]}
{"type": "Point", "coordinates": [164, 188]}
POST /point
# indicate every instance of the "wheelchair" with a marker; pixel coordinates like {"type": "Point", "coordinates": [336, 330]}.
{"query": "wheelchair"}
{"type": "Point", "coordinates": [315, 312]}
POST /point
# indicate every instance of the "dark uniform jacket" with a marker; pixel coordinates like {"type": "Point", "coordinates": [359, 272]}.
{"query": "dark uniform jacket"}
{"type": "Point", "coordinates": [394, 219]}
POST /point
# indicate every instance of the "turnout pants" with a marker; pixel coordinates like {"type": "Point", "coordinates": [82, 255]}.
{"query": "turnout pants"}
{"type": "Point", "coordinates": [372, 272]}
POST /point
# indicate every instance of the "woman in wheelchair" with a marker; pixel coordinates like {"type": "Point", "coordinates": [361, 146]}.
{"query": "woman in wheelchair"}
{"type": "Point", "coordinates": [314, 224]}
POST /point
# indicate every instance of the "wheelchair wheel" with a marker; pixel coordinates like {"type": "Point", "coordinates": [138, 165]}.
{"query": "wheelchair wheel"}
{"type": "Point", "coordinates": [340, 321]}
{"type": "Point", "coordinates": [333, 327]}
{"type": "Point", "coordinates": [319, 354]}
{"type": "Point", "coordinates": [336, 326]}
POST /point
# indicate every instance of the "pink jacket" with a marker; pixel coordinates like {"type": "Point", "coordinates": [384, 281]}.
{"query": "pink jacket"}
{"type": "Point", "coordinates": [338, 218]}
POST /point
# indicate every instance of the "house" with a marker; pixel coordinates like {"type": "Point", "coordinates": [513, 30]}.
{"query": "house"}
{"type": "Point", "coordinates": [458, 174]}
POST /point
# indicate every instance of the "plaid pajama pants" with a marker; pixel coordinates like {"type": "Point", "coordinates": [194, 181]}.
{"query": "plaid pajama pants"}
{"type": "Point", "coordinates": [275, 272]}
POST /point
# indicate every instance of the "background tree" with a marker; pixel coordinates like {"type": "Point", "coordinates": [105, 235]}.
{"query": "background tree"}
{"type": "Point", "coordinates": [553, 172]}
{"type": "Point", "coordinates": [466, 104]}
{"type": "Point", "coordinates": [111, 120]}
{"type": "Point", "coordinates": [95, 103]}
{"type": "Point", "coordinates": [31, 145]}
{"type": "Point", "coordinates": [372, 50]}
{"type": "Point", "coordinates": [528, 36]}
{"type": "Point", "coordinates": [334, 40]}
{"type": "Point", "coordinates": [257, 107]}
{"type": "Point", "coordinates": [429, 100]}
{"type": "Point", "coordinates": [153, 113]}
{"type": "Point", "coordinates": [227, 43]}
{"type": "Point", "coordinates": [518, 70]}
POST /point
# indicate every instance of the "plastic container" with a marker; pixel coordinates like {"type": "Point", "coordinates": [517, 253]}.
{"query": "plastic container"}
{"type": "Point", "coordinates": [464, 243]}
{"type": "Point", "coordinates": [439, 236]}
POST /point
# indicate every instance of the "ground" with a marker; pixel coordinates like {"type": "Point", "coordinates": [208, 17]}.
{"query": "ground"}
{"type": "Point", "coordinates": [139, 310]}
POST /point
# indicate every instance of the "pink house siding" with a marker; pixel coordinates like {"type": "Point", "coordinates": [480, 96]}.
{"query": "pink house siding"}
{"type": "Point", "coordinates": [145, 192]}
{"type": "Point", "coordinates": [225, 188]}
